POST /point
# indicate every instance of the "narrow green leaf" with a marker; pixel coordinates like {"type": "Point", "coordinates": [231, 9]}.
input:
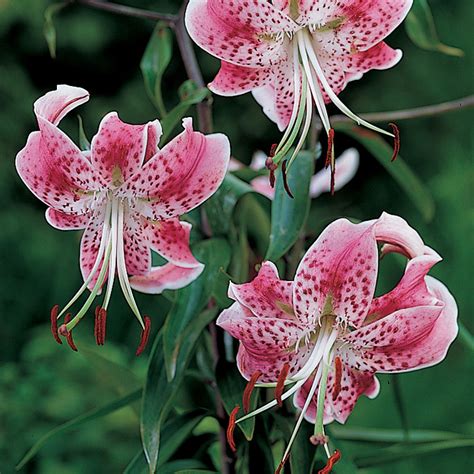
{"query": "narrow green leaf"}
{"type": "Point", "coordinates": [397, 393]}
{"type": "Point", "coordinates": [49, 31]}
{"type": "Point", "coordinates": [403, 451]}
{"type": "Point", "coordinates": [190, 301]}
{"type": "Point", "coordinates": [159, 393]}
{"type": "Point", "coordinates": [289, 215]}
{"type": "Point", "coordinates": [190, 94]}
{"type": "Point", "coordinates": [231, 386]}
{"type": "Point", "coordinates": [84, 143]}
{"type": "Point", "coordinates": [421, 29]}
{"type": "Point", "coordinates": [155, 60]}
{"type": "Point", "coordinates": [220, 207]}
{"type": "Point", "coordinates": [399, 170]}
{"type": "Point", "coordinates": [179, 465]}
{"type": "Point", "coordinates": [80, 420]}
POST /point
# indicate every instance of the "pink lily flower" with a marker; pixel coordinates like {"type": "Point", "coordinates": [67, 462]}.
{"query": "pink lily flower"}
{"type": "Point", "coordinates": [294, 55]}
{"type": "Point", "coordinates": [127, 195]}
{"type": "Point", "coordinates": [346, 168]}
{"type": "Point", "coordinates": [327, 335]}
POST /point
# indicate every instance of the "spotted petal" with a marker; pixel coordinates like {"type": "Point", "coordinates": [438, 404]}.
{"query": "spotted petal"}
{"type": "Point", "coordinates": [136, 247]}
{"type": "Point", "coordinates": [240, 32]}
{"type": "Point", "coordinates": [62, 221]}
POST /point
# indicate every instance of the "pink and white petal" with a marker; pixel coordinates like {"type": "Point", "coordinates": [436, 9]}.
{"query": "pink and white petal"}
{"type": "Point", "coordinates": [234, 80]}
{"type": "Point", "coordinates": [339, 269]}
{"type": "Point", "coordinates": [63, 221]}
{"type": "Point", "coordinates": [90, 244]}
{"type": "Point", "coordinates": [55, 170]}
{"type": "Point", "coordinates": [118, 149]}
{"type": "Point", "coordinates": [261, 184]}
{"type": "Point", "coordinates": [266, 296]}
{"type": "Point", "coordinates": [170, 238]}
{"type": "Point", "coordinates": [154, 132]}
{"type": "Point", "coordinates": [54, 105]}
{"type": "Point", "coordinates": [410, 291]}
{"type": "Point", "coordinates": [136, 247]}
{"type": "Point", "coordinates": [333, 72]}
{"type": "Point", "coordinates": [346, 168]}
{"type": "Point", "coordinates": [182, 175]}
{"type": "Point", "coordinates": [266, 343]}
{"type": "Point", "coordinates": [359, 24]}
{"type": "Point", "coordinates": [165, 277]}
{"type": "Point", "coordinates": [242, 33]}
{"type": "Point", "coordinates": [394, 230]}
{"type": "Point", "coordinates": [381, 56]}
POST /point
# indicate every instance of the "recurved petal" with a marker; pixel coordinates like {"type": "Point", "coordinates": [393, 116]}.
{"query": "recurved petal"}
{"type": "Point", "coordinates": [154, 132]}
{"type": "Point", "coordinates": [63, 221]}
{"type": "Point", "coordinates": [56, 171]}
{"type": "Point", "coordinates": [118, 149]}
{"type": "Point", "coordinates": [266, 343]}
{"type": "Point", "coordinates": [338, 273]}
{"type": "Point", "coordinates": [182, 175]}
{"type": "Point", "coordinates": [166, 277]}
{"type": "Point", "coordinates": [170, 238]}
{"type": "Point", "coordinates": [381, 56]}
{"type": "Point", "coordinates": [246, 33]}
{"type": "Point", "coordinates": [54, 105]}
{"type": "Point", "coordinates": [266, 296]}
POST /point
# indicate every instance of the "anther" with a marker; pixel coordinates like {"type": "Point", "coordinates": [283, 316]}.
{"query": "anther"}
{"type": "Point", "coordinates": [285, 181]}
{"type": "Point", "coordinates": [337, 378]}
{"type": "Point", "coordinates": [97, 325]}
{"type": "Point", "coordinates": [100, 325]}
{"type": "Point", "coordinates": [145, 335]}
{"type": "Point", "coordinates": [54, 323]}
{"type": "Point", "coordinates": [68, 334]}
{"type": "Point", "coordinates": [329, 153]}
{"type": "Point", "coordinates": [318, 440]}
{"type": "Point", "coordinates": [231, 428]}
{"type": "Point", "coordinates": [282, 463]}
{"type": "Point", "coordinates": [281, 383]}
{"type": "Point", "coordinates": [330, 464]}
{"type": "Point", "coordinates": [249, 389]}
{"type": "Point", "coordinates": [270, 165]}
{"type": "Point", "coordinates": [396, 142]}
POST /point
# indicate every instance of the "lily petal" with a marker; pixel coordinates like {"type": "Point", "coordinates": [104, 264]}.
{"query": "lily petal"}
{"type": "Point", "coordinates": [90, 244]}
{"type": "Point", "coordinates": [62, 221]}
{"type": "Point", "coordinates": [242, 33]}
{"type": "Point", "coordinates": [380, 56]}
{"type": "Point", "coordinates": [54, 105]}
{"type": "Point", "coordinates": [136, 247]}
{"type": "Point", "coordinates": [166, 277]}
{"type": "Point", "coordinates": [154, 132]}
{"type": "Point", "coordinates": [340, 268]}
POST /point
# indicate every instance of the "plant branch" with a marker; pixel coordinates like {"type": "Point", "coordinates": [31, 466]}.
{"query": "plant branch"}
{"type": "Point", "coordinates": [169, 19]}
{"type": "Point", "coordinates": [407, 114]}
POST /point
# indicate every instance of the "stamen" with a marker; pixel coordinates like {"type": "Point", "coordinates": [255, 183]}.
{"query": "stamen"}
{"type": "Point", "coordinates": [337, 377]}
{"type": "Point", "coordinates": [281, 383]}
{"type": "Point", "coordinates": [97, 325]}
{"type": "Point", "coordinates": [285, 181]}
{"type": "Point", "coordinates": [145, 336]}
{"type": "Point", "coordinates": [330, 464]}
{"type": "Point", "coordinates": [396, 140]}
{"type": "Point", "coordinates": [282, 463]}
{"type": "Point", "coordinates": [271, 166]}
{"type": "Point", "coordinates": [100, 325]}
{"type": "Point", "coordinates": [68, 334]}
{"type": "Point", "coordinates": [249, 389]}
{"type": "Point", "coordinates": [330, 152]}
{"type": "Point", "coordinates": [231, 428]}
{"type": "Point", "coordinates": [54, 323]}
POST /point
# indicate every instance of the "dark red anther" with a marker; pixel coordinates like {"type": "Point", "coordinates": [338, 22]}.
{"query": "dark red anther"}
{"type": "Point", "coordinates": [231, 428]}
{"type": "Point", "coordinates": [396, 140]}
{"type": "Point", "coordinates": [145, 336]}
{"type": "Point", "coordinates": [282, 463]}
{"type": "Point", "coordinates": [333, 178]}
{"type": "Point", "coordinates": [54, 323]}
{"type": "Point", "coordinates": [281, 383]}
{"type": "Point", "coordinates": [68, 334]}
{"type": "Point", "coordinates": [330, 464]}
{"type": "Point", "coordinates": [337, 378]}
{"type": "Point", "coordinates": [285, 181]}
{"type": "Point", "coordinates": [97, 325]}
{"type": "Point", "coordinates": [100, 325]}
{"type": "Point", "coordinates": [329, 153]}
{"type": "Point", "coordinates": [249, 389]}
{"type": "Point", "coordinates": [270, 165]}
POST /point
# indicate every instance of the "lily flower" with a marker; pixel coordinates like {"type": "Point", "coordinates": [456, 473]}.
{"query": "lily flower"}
{"type": "Point", "coordinates": [346, 168]}
{"type": "Point", "coordinates": [127, 195]}
{"type": "Point", "coordinates": [325, 335]}
{"type": "Point", "coordinates": [296, 55]}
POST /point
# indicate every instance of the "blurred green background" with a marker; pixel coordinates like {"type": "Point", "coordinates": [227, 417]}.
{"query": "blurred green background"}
{"type": "Point", "coordinates": [43, 384]}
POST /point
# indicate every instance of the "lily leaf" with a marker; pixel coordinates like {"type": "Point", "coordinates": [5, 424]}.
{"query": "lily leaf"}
{"type": "Point", "coordinates": [399, 170]}
{"type": "Point", "coordinates": [155, 60]}
{"type": "Point", "coordinates": [84, 143]}
{"type": "Point", "coordinates": [190, 301]}
{"type": "Point", "coordinates": [190, 94]}
{"type": "Point", "coordinates": [289, 214]}
{"type": "Point", "coordinates": [80, 420]}
{"type": "Point", "coordinates": [49, 30]}
{"type": "Point", "coordinates": [159, 393]}
{"type": "Point", "coordinates": [421, 29]}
